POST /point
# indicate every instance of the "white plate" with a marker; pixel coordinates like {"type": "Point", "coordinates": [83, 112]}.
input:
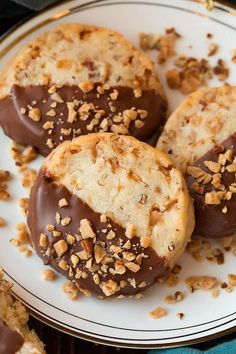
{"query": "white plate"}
{"type": "Point", "coordinates": [123, 322]}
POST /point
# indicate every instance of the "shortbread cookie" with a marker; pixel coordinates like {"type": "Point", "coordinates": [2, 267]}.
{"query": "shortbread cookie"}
{"type": "Point", "coordinates": [111, 213]}
{"type": "Point", "coordinates": [200, 136]}
{"type": "Point", "coordinates": [78, 79]}
{"type": "Point", "coordinates": [204, 119]}
{"type": "Point", "coordinates": [15, 336]}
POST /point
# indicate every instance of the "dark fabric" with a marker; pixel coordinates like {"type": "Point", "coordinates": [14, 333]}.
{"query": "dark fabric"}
{"type": "Point", "coordinates": [35, 5]}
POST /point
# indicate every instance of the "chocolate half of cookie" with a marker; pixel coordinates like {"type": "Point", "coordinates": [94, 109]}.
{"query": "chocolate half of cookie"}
{"type": "Point", "coordinates": [15, 336]}
{"type": "Point", "coordinates": [43, 116]}
{"type": "Point", "coordinates": [10, 341]}
{"type": "Point", "coordinates": [212, 183]}
{"type": "Point", "coordinates": [110, 213]}
{"type": "Point", "coordinates": [88, 247]}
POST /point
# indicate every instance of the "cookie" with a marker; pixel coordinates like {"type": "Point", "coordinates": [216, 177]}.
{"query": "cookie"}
{"type": "Point", "coordinates": [200, 137]}
{"type": "Point", "coordinates": [15, 336]}
{"type": "Point", "coordinates": [110, 213]}
{"type": "Point", "coordinates": [77, 79]}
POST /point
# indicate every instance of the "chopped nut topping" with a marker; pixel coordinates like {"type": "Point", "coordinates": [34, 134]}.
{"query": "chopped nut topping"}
{"type": "Point", "coordinates": [145, 241]}
{"type": "Point", "coordinates": [103, 218]}
{"type": "Point", "coordinates": [171, 280]}
{"type": "Point", "coordinates": [24, 204]}
{"type": "Point", "coordinates": [60, 247]}
{"type": "Point", "coordinates": [212, 198]}
{"type": "Point", "coordinates": [110, 287]}
{"type": "Point", "coordinates": [123, 284]}
{"type": "Point", "coordinates": [2, 222]}
{"type": "Point", "coordinates": [111, 234]}
{"type": "Point", "coordinates": [4, 175]}
{"type": "Point", "coordinates": [212, 166]}
{"type": "Point", "coordinates": [137, 93]}
{"type": "Point", "coordinates": [232, 279]}
{"type": "Point", "coordinates": [133, 267]}
{"type": "Point", "coordinates": [139, 124]}
{"type": "Point", "coordinates": [71, 290]}
{"type": "Point", "coordinates": [65, 221]}
{"type": "Point", "coordinates": [74, 259]}
{"type": "Point", "coordinates": [56, 97]}
{"type": "Point", "coordinates": [158, 312]}
{"type": "Point", "coordinates": [70, 239]}
{"type": "Point", "coordinates": [72, 114]}
{"type": "Point", "coordinates": [50, 227]}
{"type": "Point", "coordinates": [86, 229]}
{"type": "Point", "coordinates": [212, 49]}
{"type": "Point", "coordinates": [22, 233]}
{"type": "Point", "coordinates": [62, 203]}
{"type": "Point", "coordinates": [35, 114]}
{"type": "Point", "coordinates": [48, 125]}
{"type": "Point", "coordinates": [114, 95]}
{"type": "Point", "coordinates": [180, 315]}
{"type": "Point", "coordinates": [127, 245]}
{"type": "Point", "coordinates": [195, 171]}
{"type": "Point", "coordinates": [96, 279]}
{"type": "Point", "coordinates": [56, 233]}
{"type": "Point", "coordinates": [201, 282]}
{"type": "Point", "coordinates": [130, 231]}
{"type": "Point", "coordinates": [48, 274]}
{"type": "Point", "coordinates": [215, 292]}
{"type": "Point", "coordinates": [172, 299]}
{"type": "Point", "coordinates": [63, 264]}
{"type": "Point", "coordinates": [128, 256]}
{"type": "Point", "coordinates": [23, 110]}
{"type": "Point", "coordinates": [86, 246]}
{"type": "Point", "coordinates": [50, 143]}
{"type": "Point", "coordinates": [221, 70]}
{"type": "Point", "coordinates": [86, 86]}
{"type": "Point", "coordinates": [51, 113]}
{"type": "Point", "coordinates": [43, 241]}
{"type": "Point", "coordinates": [99, 253]}
{"type": "Point", "coordinates": [28, 178]}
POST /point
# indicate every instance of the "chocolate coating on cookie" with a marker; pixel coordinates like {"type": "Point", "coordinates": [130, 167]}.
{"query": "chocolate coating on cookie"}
{"type": "Point", "coordinates": [43, 117]}
{"type": "Point", "coordinates": [212, 183]}
{"type": "Point", "coordinates": [10, 341]}
{"type": "Point", "coordinates": [100, 257]}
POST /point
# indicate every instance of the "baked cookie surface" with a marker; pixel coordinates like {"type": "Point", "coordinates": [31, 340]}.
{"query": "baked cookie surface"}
{"type": "Point", "coordinates": [77, 79]}
{"type": "Point", "coordinates": [110, 213]}
{"type": "Point", "coordinates": [206, 118]}
{"type": "Point", "coordinates": [200, 136]}
{"type": "Point", "coordinates": [15, 336]}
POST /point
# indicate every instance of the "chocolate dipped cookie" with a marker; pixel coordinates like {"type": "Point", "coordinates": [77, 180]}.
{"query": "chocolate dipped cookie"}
{"type": "Point", "coordinates": [200, 136]}
{"type": "Point", "coordinates": [110, 213]}
{"type": "Point", "coordinates": [77, 79]}
{"type": "Point", "coordinates": [15, 336]}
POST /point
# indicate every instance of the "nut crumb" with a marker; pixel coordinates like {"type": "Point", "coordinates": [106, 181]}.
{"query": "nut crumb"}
{"type": "Point", "coordinates": [2, 222]}
{"type": "Point", "coordinates": [71, 290]}
{"type": "Point", "coordinates": [201, 282]}
{"type": "Point", "coordinates": [180, 315]}
{"type": "Point", "coordinates": [158, 312]}
{"type": "Point", "coordinates": [48, 274]}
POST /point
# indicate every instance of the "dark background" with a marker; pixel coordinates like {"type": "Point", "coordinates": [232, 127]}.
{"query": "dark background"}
{"type": "Point", "coordinates": [57, 342]}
